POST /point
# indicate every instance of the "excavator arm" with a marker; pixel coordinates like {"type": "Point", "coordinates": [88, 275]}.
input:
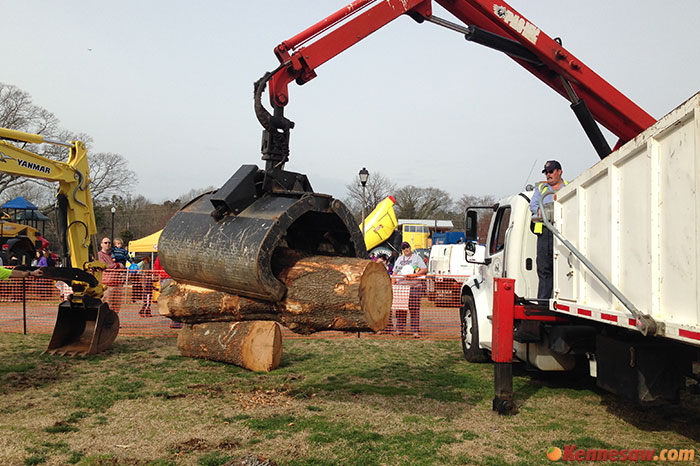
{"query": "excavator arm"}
{"type": "Point", "coordinates": [74, 199]}
{"type": "Point", "coordinates": [85, 325]}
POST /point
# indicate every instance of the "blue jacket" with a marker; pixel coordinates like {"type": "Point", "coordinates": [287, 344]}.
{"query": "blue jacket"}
{"type": "Point", "coordinates": [120, 255]}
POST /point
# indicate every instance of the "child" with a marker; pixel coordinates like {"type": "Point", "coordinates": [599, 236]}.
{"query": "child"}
{"type": "Point", "coordinates": [119, 252]}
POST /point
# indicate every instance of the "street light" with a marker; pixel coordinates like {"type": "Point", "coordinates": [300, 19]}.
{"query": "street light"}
{"type": "Point", "coordinates": [364, 176]}
{"type": "Point", "coordinates": [113, 210]}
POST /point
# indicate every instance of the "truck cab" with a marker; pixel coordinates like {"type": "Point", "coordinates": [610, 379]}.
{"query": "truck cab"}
{"type": "Point", "coordinates": [511, 252]}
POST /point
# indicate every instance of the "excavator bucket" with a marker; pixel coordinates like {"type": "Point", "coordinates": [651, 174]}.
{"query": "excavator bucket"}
{"type": "Point", "coordinates": [227, 240]}
{"type": "Point", "coordinates": [83, 328]}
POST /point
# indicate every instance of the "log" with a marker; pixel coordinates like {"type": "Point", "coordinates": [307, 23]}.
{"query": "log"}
{"type": "Point", "coordinates": [254, 345]}
{"type": "Point", "coordinates": [323, 293]}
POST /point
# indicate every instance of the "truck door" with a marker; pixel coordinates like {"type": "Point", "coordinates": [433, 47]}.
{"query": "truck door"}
{"type": "Point", "coordinates": [496, 246]}
{"type": "Point", "coordinates": [497, 241]}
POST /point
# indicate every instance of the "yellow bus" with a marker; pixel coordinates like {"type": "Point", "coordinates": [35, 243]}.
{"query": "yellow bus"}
{"type": "Point", "coordinates": [416, 234]}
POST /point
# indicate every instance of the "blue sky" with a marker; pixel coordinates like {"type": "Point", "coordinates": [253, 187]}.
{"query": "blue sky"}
{"type": "Point", "coordinates": [168, 85]}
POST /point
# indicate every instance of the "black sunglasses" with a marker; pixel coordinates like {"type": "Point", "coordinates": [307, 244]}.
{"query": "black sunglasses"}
{"type": "Point", "coordinates": [549, 172]}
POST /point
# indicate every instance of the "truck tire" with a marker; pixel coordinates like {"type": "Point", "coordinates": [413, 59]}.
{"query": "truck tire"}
{"type": "Point", "coordinates": [21, 248]}
{"type": "Point", "coordinates": [470, 332]}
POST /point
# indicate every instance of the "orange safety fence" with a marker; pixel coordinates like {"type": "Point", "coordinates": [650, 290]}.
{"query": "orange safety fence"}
{"type": "Point", "coordinates": [427, 307]}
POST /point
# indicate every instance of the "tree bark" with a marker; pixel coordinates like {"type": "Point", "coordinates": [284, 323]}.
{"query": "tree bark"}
{"type": "Point", "coordinates": [254, 345]}
{"type": "Point", "coordinates": [323, 293]}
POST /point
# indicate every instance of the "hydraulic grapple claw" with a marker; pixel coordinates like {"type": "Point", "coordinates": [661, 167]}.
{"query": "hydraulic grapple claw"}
{"type": "Point", "coordinates": [235, 253]}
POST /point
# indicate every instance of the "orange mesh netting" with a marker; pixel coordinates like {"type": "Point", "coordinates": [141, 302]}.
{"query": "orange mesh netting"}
{"type": "Point", "coordinates": [421, 308]}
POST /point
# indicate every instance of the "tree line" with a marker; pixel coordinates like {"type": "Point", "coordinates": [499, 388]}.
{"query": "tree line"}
{"type": "Point", "coordinates": [413, 202]}
{"type": "Point", "coordinates": [135, 216]}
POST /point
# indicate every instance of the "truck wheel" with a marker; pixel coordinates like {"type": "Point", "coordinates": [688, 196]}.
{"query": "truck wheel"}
{"type": "Point", "coordinates": [470, 332]}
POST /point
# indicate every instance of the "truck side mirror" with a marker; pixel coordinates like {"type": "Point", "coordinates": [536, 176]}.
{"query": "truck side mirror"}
{"type": "Point", "coordinates": [471, 223]}
{"type": "Point", "coordinates": [470, 248]}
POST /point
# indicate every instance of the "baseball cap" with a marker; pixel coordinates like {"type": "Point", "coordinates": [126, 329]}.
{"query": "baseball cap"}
{"type": "Point", "coordinates": [405, 245]}
{"type": "Point", "coordinates": [551, 165]}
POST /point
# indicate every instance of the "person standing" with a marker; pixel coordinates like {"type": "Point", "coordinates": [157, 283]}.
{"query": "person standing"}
{"type": "Point", "coordinates": [145, 263]}
{"type": "Point", "coordinates": [410, 266]}
{"type": "Point", "coordinates": [145, 278]}
{"type": "Point", "coordinates": [544, 198]}
{"type": "Point", "coordinates": [43, 260]}
{"type": "Point", "coordinates": [113, 276]}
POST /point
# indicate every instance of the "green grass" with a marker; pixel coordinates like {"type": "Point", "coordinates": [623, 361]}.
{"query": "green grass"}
{"type": "Point", "coordinates": [19, 367]}
{"type": "Point", "coordinates": [75, 457]}
{"type": "Point", "coordinates": [359, 444]}
{"type": "Point", "coordinates": [351, 401]}
{"type": "Point", "coordinates": [213, 459]}
{"type": "Point", "coordinates": [34, 460]}
{"type": "Point", "coordinates": [61, 428]}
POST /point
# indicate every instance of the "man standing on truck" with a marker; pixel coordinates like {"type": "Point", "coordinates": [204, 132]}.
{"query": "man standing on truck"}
{"type": "Point", "coordinates": [544, 196]}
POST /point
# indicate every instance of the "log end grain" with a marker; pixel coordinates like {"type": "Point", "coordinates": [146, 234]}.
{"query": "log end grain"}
{"type": "Point", "coordinates": [262, 349]}
{"type": "Point", "coordinates": [376, 295]}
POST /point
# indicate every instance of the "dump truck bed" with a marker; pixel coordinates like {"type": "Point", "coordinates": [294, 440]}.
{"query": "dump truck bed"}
{"type": "Point", "coordinates": [636, 216]}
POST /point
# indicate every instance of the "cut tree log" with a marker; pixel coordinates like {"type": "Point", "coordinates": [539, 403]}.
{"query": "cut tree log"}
{"type": "Point", "coordinates": [254, 345]}
{"type": "Point", "coordinates": [323, 293]}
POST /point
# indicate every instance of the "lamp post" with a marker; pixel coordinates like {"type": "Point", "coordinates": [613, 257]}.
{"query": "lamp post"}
{"type": "Point", "coordinates": [364, 176]}
{"type": "Point", "coordinates": [113, 210]}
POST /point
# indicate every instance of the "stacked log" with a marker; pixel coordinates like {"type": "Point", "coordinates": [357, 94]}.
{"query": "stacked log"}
{"type": "Point", "coordinates": [255, 345]}
{"type": "Point", "coordinates": [323, 293]}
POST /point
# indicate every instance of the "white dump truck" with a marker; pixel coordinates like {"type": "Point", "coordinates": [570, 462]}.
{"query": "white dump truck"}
{"type": "Point", "coordinates": [626, 297]}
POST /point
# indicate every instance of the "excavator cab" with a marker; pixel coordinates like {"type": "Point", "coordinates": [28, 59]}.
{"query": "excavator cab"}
{"type": "Point", "coordinates": [229, 239]}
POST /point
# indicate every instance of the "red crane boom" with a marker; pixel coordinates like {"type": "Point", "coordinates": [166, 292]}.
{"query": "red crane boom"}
{"type": "Point", "coordinates": [492, 23]}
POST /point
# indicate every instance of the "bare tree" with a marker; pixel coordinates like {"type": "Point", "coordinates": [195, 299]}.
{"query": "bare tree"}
{"type": "Point", "coordinates": [37, 195]}
{"type": "Point", "coordinates": [471, 200]}
{"type": "Point", "coordinates": [18, 112]}
{"type": "Point", "coordinates": [110, 176]}
{"type": "Point", "coordinates": [192, 193]}
{"type": "Point", "coordinates": [108, 171]}
{"type": "Point", "coordinates": [132, 217]}
{"type": "Point", "coordinates": [468, 200]}
{"type": "Point", "coordinates": [377, 189]}
{"type": "Point", "coordinates": [416, 202]}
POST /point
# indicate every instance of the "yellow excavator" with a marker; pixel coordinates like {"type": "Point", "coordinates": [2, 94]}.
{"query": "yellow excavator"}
{"type": "Point", "coordinates": [18, 241]}
{"type": "Point", "coordinates": [85, 324]}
